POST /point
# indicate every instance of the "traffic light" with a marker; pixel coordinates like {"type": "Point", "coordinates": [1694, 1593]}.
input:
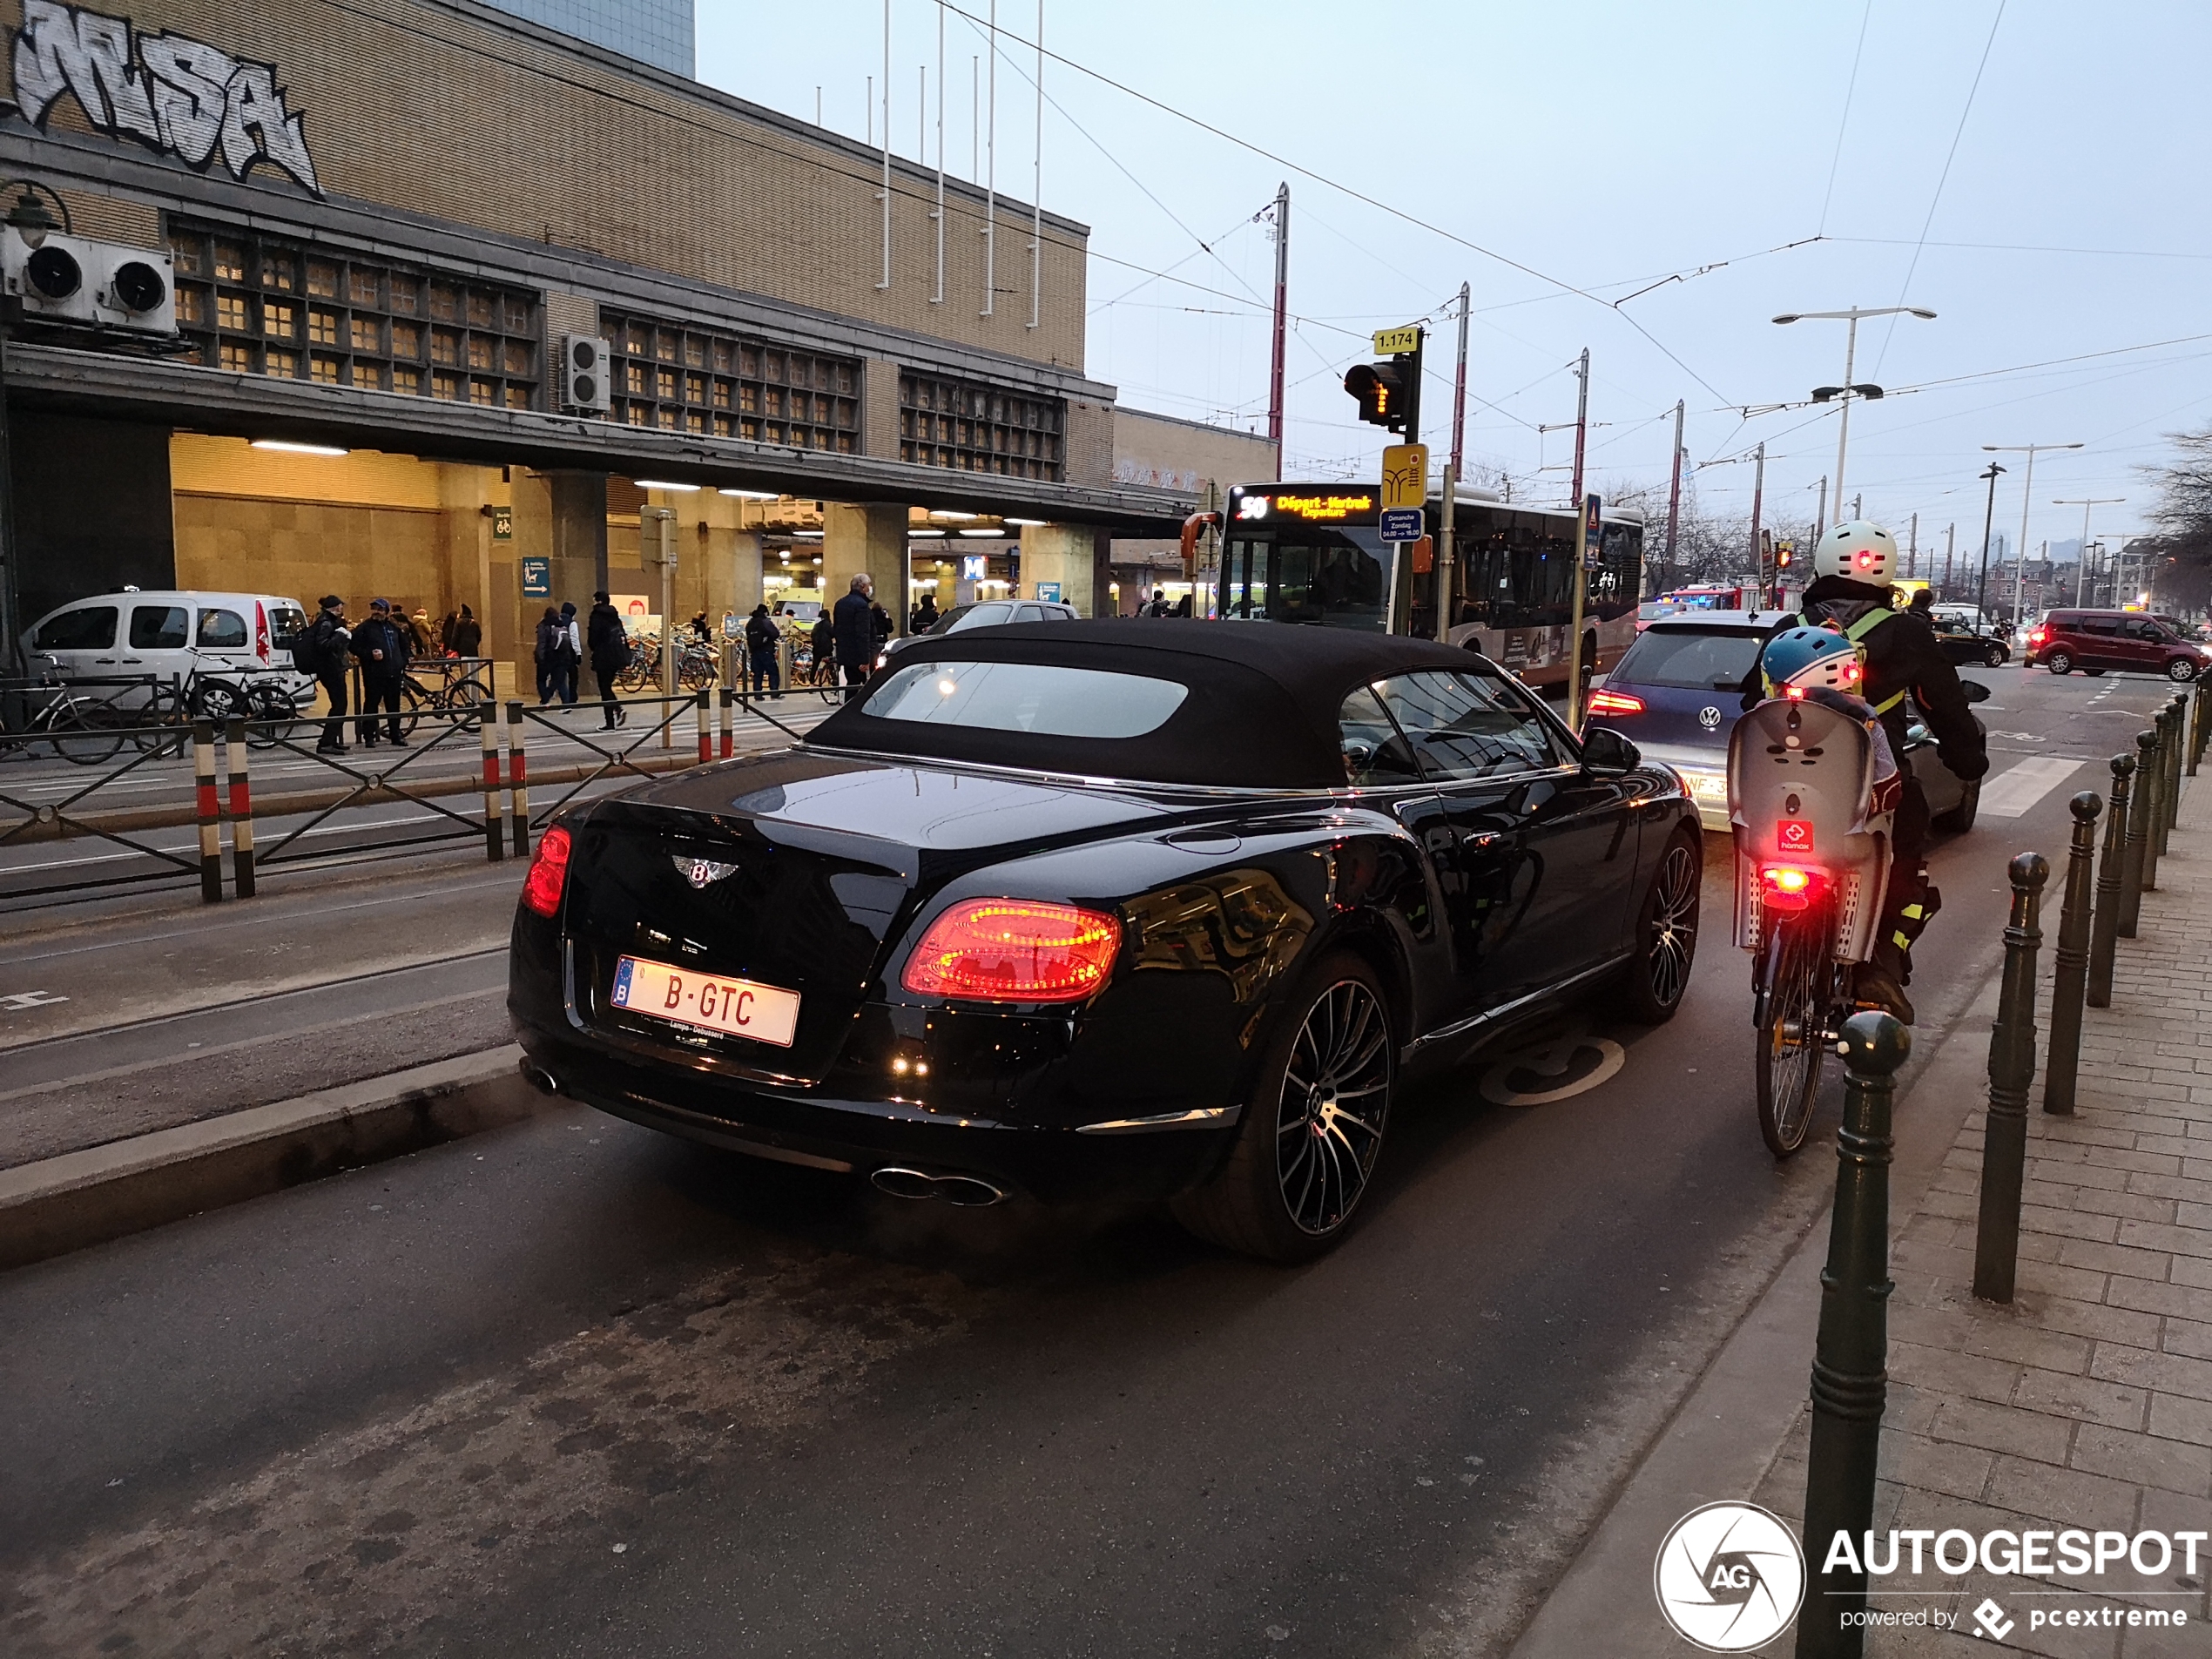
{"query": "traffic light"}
{"type": "Point", "coordinates": [1381, 390]}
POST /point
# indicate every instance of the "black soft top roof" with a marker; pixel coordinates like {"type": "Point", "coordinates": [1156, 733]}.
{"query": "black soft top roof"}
{"type": "Point", "coordinates": [1262, 712]}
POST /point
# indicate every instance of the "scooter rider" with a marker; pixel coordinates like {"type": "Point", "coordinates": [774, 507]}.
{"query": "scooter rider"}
{"type": "Point", "coordinates": [1853, 563]}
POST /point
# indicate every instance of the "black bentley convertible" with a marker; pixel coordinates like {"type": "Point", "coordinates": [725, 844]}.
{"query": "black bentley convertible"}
{"type": "Point", "coordinates": [1165, 909]}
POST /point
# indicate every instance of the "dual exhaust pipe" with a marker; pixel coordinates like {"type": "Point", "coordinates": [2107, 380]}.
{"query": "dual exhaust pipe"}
{"type": "Point", "coordinates": [966, 1191]}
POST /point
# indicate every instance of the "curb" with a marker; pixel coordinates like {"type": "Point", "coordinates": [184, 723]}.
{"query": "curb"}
{"type": "Point", "coordinates": [64, 1203]}
{"type": "Point", "coordinates": [1724, 1437]}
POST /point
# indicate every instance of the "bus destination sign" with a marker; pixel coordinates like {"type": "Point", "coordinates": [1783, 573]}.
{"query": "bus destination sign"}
{"type": "Point", "coordinates": [1308, 504]}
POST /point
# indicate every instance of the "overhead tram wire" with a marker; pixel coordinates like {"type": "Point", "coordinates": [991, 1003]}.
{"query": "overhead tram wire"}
{"type": "Point", "coordinates": [1942, 178]}
{"type": "Point", "coordinates": [1843, 121]}
{"type": "Point", "coordinates": [1327, 182]}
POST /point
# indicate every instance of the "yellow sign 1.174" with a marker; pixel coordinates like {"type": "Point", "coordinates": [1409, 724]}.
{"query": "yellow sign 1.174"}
{"type": "Point", "coordinates": [1404, 476]}
{"type": "Point", "coordinates": [1393, 343]}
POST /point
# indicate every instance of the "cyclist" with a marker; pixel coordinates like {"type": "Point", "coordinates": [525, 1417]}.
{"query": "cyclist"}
{"type": "Point", "coordinates": [1853, 563]}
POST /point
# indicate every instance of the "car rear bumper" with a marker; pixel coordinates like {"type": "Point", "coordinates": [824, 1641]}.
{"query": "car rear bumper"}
{"type": "Point", "coordinates": [1120, 1160]}
{"type": "Point", "coordinates": [1704, 778]}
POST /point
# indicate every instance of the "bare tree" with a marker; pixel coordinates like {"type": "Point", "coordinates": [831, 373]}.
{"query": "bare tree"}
{"type": "Point", "coordinates": [2180, 553]}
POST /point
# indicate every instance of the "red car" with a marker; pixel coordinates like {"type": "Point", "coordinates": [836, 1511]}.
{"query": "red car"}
{"type": "Point", "coordinates": [2130, 642]}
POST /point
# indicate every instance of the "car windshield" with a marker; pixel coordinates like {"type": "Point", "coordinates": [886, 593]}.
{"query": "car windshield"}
{"type": "Point", "coordinates": [990, 615]}
{"type": "Point", "coordinates": [1689, 658]}
{"type": "Point", "coordinates": [1042, 698]}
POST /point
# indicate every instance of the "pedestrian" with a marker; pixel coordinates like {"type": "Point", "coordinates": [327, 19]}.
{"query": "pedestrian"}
{"type": "Point", "coordinates": [381, 646]}
{"type": "Point", "coordinates": [823, 646]}
{"type": "Point", "coordinates": [700, 629]}
{"type": "Point", "coordinates": [331, 641]}
{"type": "Point", "coordinates": [853, 626]}
{"type": "Point", "coordinates": [416, 629]}
{"type": "Point", "coordinates": [1159, 605]}
{"type": "Point", "coordinates": [926, 614]}
{"type": "Point", "coordinates": [761, 639]}
{"type": "Point", "coordinates": [468, 634]}
{"type": "Point", "coordinates": [445, 633]}
{"type": "Point", "coordinates": [878, 630]}
{"type": "Point", "coordinates": [568, 653]}
{"type": "Point", "coordinates": [549, 630]}
{"type": "Point", "coordinates": [609, 642]}
{"type": "Point", "coordinates": [1182, 606]}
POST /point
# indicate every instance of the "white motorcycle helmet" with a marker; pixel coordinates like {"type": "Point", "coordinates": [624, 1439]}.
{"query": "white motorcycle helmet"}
{"type": "Point", "coordinates": [1858, 551]}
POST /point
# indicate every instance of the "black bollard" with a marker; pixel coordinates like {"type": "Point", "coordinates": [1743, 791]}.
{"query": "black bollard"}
{"type": "Point", "coordinates": [2154, 801]}
{"type": "Point", "coordinates": [2104, 931]}
{"type": "Point", "coordinates": [2179, 741]}
{"type": "Point", "coordinates": [2196, 751]}
{"type": "Point", "coordinates": [2070, 983]}
{"type": "Point", "coordinates": [2012, 1068]}
{"type": "Point", "coordinates": [1849, 1375]}
{"type": "Point", "coordinates": [2131, 869]}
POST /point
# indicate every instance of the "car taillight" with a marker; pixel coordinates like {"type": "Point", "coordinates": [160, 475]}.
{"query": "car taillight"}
{"type": "Point", "coordinates": [1784, 886]}
{"type": "Point", "coordinates": [260, 631]}
{"type": "Point", "coordinates": [1605, 702]}
{"type": "Point", "coordinates": [2036, 636]}
{"type": "Point", "coordinates": [1014, 950]}
{"type": "Point", "coordinates": [549, 873]}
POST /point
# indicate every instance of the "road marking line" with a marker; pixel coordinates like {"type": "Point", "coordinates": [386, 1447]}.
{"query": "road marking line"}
{"type": "Point", "coordinates": [2019, 787]}
{"type": "Point", "coordinates": [16, 1002]}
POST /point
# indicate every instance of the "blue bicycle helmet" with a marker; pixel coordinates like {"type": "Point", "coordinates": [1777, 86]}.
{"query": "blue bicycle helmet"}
{"type": "Point", "coordinates": [1803, 658]}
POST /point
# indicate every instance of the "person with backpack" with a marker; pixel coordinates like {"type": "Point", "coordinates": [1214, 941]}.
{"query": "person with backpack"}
{"type": "Point", "coordinates": [824, 644]}
{"type": "Point", "coordinates": [761, 639]}
{"type": "Point", "coordinates": [549, 630]}
{"type": "Point", "coordinates": [328, 657]}
{"type": "Point", "coordinates": [568, 655]}
{"type": "Point", "coordinates": [608, 643]}
{"type": "Point", "coordinates": [381, 646]}
{"type": "Point", "coordinates": [468, 634]}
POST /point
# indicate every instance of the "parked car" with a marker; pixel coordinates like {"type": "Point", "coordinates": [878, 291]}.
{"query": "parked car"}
{"type": "Point", "coordinates": [170, 635]}
{"type": "Point", "coordinates": [1677, 694]}
{"type": "Point", "coordinates": [1129, 909]}
{"type": "Point", "coordinates": [982, 613]}
{"type": "Point", "coordinates": [1962, 644]}
{"type": "Point", "coordinates": [2128, 642]}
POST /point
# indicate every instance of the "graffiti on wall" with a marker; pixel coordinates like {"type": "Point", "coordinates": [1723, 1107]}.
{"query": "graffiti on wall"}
{"type": "Point", "coordinates": [176, 95]}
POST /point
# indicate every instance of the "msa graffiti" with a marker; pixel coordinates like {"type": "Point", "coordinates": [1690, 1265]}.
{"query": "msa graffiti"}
{"type": "Point", "coordinates": [176, 95]}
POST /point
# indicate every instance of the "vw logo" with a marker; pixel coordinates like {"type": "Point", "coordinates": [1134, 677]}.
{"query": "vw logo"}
{"type": "Point", "coordinates": [1729, 1577]}
{"type": "Point", "coordinates": [700, 873]}
{"type": "Point", "coordinates": [1710, 716]}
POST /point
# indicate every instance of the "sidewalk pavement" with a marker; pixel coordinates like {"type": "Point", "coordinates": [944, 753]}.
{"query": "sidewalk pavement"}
{"type": "Point", "coordinates": [2085, 1405]}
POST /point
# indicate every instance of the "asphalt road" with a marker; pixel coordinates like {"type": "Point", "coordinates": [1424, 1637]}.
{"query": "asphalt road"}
{"type": "Point", "coordinates": [573, 1388]}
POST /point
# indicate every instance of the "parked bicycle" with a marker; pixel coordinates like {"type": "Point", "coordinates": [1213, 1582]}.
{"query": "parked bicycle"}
{"type": "Point", "coordinates": [67, 716]}
{"type": "Point", "coordinates": [267, 703]}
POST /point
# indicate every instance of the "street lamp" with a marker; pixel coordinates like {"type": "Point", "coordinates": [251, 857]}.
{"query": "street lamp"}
{"type": "Point", "coordinates": [1847, 392]}
{"type": "Point", "coordinates": [1988, 519]}
{"type": "Point", "coordinates": [2085, 502]}
{"type": "Point", "coordinates": [2027, 494]}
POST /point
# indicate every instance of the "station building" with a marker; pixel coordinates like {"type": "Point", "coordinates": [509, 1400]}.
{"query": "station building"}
{"type": "Point", "coordinates": [391, 220]}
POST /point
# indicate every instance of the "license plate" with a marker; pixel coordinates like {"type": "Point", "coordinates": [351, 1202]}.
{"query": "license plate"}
{"type": "Point", "coordinates": [736, 1008]}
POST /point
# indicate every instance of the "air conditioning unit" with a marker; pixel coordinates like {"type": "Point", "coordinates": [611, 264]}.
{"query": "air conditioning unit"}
{"type": "Point", "coordinates": [136, 290]}
{"type": "Point", "coordinates": [55, 280]}
{"type": "Point", "coordinates": [587, 369]}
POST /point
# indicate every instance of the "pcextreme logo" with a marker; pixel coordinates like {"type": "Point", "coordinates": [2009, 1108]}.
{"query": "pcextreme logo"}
{"type": "Point", "coordinates": [1729, 1577]}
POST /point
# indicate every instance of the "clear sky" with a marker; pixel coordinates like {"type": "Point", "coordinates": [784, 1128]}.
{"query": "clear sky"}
{"type": "Point", "coordinates": [1608, 146]}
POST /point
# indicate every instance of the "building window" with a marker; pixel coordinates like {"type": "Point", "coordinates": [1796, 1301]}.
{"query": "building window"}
{"type": "Point", "coordinates": [368, 324]}
{"type": "Point", "coordinates": [972, 428]}
{"type": "Point", "coordinates": [674, 378]}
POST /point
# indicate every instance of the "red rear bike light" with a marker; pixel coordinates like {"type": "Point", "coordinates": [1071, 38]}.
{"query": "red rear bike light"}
{"type": "Point", "coordinates": [1784, 886]}
{"type": "Point", "coordinates": [1014, 950]}
{"type": "Point", "coordinates": [549, 873]}
{"type": "Point", "coordinates": [1605, 702]}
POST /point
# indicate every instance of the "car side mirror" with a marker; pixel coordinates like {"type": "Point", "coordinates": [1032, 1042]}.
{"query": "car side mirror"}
{"type": "Point", "coordinates": [1975, 690]}
{"type": "Point", "coordinates": [1606, 750]}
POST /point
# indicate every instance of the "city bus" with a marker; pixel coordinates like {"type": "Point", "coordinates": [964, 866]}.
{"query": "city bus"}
{"type": "Point", "coordinates": [1310, 553]}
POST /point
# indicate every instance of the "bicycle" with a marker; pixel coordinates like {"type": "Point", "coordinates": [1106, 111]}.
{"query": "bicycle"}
{"type": "Point", "coordinates": [459, 691]}
{"type": "Point", "coordinates": [82, 729]}
{"type": "Point", "coordinates": [1812, 845]}
{"type": "Point", "coordinates": [268, 706]}
{"type": "Point", "coordinates": [644, 667]}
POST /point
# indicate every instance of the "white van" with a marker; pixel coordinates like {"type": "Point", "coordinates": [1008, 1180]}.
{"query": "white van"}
{"type": "Point", "coordinates": [171, 636]}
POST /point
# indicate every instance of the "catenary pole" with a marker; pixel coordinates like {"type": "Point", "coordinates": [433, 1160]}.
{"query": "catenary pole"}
{"type": "Point", "coordinates": [1674, 505]}
{"type": "Point", "coordinates": [1036, 191]}
{"type": "Point", "coordinates": [937, 297]}
{"type": "Point", "coordinates": [1459, 391]}
{"type": "Point", "coordinates": [1913, 547]}
{"type": "Point", "coordinates": [885, 195]}
{"type": "Point", "coordinates": [1574, 636]}
{"type": "Point", "coordinates": [1281, 344]}
{"type": "Point", "coordinates": [991, 169]}
{"type": "Point", "coordinates": [1758, 502]}
{"type": "Point", "coordinates": [1988, 521]}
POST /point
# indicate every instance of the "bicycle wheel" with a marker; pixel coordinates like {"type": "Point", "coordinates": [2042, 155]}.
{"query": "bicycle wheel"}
{"type": "Point", "coordinates": [412, 701]}
{"type": "Point", "coordinates": [272, 717]}
{"type": "Point", "coordinates": [159, 727]}
{"type": "Point", "coordinates": [697, 672]}
{"type": "Point", "coordinates": [1796, 974]}
{"type": "Point", "coordinates": [77, 735]}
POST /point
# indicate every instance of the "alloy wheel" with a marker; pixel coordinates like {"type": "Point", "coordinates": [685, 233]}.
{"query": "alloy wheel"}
{"type": "Point", "coordinates": [1673, 924]}
{"type": "Point", "coordinates": [1335, 1101]}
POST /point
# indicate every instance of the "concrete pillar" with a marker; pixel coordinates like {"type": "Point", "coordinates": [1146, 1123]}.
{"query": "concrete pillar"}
{"type": "Point", "coordinates": [510, 633]}
{"type": "Point", "coordinates": [1061, 555]}
{"type": "Point", "coordinates": [579, 536]}
{"type": "Point", "coordinates": [871, 538]}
